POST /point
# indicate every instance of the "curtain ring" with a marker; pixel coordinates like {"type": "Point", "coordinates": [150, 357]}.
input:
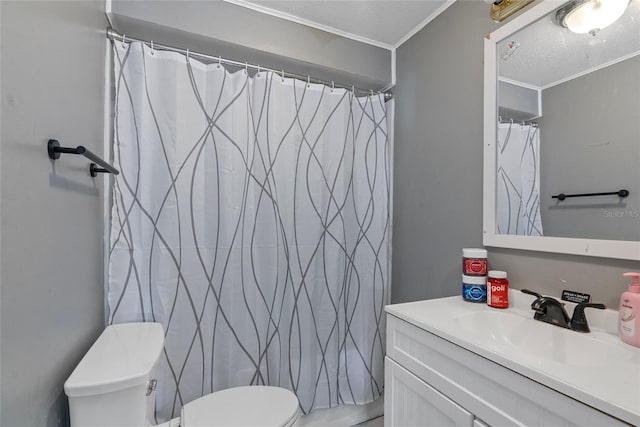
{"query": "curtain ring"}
{"type": "Point", "coordinates": [187, 55]}
{"type": "Point", "coordinates": [246, 68]}
{"type": "Point", "coordinates": [258, 70]}
{"type": "Point", "coordinates": [282, 76]}
{"type": "Point", "coordinates": [333, 85]}
{"type": "Point", "coordinates": [124, 41]}
{"type": "Point", "coordinates": [308, 80]}
{"type": "Point", "coordinates": [371, 92]}
{"type": "Point", "coordinates": [152, 47]}
{"type": "Point", "coordinates": [219, 60]}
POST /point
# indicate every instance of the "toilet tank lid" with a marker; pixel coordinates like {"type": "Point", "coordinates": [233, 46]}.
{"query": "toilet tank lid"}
{"type": "Point", "coordinates": [123, 356]}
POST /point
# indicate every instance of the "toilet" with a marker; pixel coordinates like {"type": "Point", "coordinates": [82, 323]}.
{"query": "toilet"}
{"type": "Point", "coordinates": [114, 385]}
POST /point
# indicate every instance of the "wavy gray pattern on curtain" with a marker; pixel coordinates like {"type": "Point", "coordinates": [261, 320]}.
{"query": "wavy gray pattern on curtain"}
{"type": "Point", "coordinates": [251, 218]}
{"type": "Point", "coordinates": [518, 180]}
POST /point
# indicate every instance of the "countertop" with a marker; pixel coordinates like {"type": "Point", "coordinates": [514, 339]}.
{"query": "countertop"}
{"type": "Point", "coordinates": [611, 386]}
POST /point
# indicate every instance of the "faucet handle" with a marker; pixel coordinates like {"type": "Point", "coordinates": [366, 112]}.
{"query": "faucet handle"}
{"type": "Point", "coordinates": [536, 305]}
{"type": "Point", "coordinates": [527, 291]}
{"type": "Point", "coordinates": [578, 319]}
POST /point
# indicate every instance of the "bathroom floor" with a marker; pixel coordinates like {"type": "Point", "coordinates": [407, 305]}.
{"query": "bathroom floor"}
{"type": "Point", "coordinates": [347, 415]}
{"type": "Point", "coordinates": [376, 422]}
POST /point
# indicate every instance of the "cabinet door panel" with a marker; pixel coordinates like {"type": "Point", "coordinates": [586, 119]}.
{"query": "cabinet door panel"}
{"type": "Point", "coordinates": [410, 402]}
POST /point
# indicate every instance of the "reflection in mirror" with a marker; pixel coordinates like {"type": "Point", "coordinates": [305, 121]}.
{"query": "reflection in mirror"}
{"type": "Point", "coordinates": [569, 113]}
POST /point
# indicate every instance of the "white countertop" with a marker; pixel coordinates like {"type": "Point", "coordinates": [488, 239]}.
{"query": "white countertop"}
{"type": "Point", "coordinates": [611, 385]}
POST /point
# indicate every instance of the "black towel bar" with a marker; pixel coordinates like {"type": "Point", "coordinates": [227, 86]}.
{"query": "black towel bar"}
{"type": "Point", "coordinates": [54, 149]}
{"type": "Point", "coordinates": [619, 193]}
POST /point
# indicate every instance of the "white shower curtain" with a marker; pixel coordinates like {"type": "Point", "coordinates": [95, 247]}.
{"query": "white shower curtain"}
{"type": "Point", "coordinates": [518, 180]}
{"type": "Point", "coordinates": [251, 218]}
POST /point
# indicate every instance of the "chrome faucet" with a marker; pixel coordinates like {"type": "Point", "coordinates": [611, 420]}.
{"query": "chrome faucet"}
{"type": "Point", "coordinates": [550, 310]}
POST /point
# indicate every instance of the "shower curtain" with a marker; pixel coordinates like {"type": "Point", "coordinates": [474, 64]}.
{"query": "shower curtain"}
{"type": "Point", "coordinates": [518, 180]}
{"type": "Point", "coordinates": [251, 219]}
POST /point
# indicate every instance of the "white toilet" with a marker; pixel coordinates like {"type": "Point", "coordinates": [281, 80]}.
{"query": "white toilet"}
{"type": "Point", "coordinates": [114, 385]}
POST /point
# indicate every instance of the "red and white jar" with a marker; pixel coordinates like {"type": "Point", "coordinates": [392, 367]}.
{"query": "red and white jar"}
{"type": "Point", "coordinates": [498, 289]}
{"type": "Point", "coordinates": [474, 262]}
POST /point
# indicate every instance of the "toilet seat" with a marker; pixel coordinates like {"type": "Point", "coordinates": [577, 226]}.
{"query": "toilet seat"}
{"type": "Point", "coordinates": [242, 406]}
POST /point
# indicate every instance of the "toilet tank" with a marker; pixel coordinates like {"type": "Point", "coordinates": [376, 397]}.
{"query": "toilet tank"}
{"type": "Point", "coordinates": [113, 385]}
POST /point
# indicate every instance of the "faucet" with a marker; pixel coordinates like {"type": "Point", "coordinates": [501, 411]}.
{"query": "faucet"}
{"type": "Point", "coordinates": [550, 310]}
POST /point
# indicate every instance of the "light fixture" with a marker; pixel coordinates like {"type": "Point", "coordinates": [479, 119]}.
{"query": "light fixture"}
{"type": "Point", "coordinates": [590, 16]}
{"type": "Point", "coordinates": [502, 9]}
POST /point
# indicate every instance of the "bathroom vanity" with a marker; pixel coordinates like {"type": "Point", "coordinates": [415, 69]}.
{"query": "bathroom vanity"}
{"type": "Point", "coordinates": [453, 363]}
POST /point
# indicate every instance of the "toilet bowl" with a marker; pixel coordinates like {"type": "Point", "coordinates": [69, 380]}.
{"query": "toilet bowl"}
{"type": "Point", "coordinates": [114, 385]}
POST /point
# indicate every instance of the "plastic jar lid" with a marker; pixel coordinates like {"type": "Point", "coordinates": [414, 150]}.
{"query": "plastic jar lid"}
{"type": "Point", "coordinates": [474, 253]}
{"type": "Point", "coordinates": [474, 280]}
{"type": "Point", "coordinates": [497, 274]}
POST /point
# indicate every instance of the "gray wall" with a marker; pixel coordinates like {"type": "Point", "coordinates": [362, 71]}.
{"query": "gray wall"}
{"type": "Point", "coordinates": [52, 84]}
{"type": "Point", "coordinates": [517, 103]}
{"type": "Point", "coordinates": [438, 172]}
{"type": "Point", "coordinates": [235, 32]}
{"type": "Point", "coordinates": [589, 143]}
{"type": "Point", "coordinates": [438, 152]}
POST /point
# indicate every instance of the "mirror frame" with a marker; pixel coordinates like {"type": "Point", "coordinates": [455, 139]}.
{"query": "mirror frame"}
{"type": "Point", "coordinates": [576, 246]}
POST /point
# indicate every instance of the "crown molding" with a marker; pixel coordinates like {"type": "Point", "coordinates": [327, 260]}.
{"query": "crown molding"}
{"type": "Point", "coordinates": [310, 23]}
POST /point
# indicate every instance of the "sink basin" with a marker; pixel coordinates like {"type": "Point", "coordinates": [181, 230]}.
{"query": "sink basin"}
{"type": "Point", "coordinates": [541, 342]}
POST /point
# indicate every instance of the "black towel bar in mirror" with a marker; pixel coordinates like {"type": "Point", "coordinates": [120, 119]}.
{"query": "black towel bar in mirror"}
{"type": "Point", "coordinates": [54, 149]}
{"type": "Point", "coordinates": [619, 193]}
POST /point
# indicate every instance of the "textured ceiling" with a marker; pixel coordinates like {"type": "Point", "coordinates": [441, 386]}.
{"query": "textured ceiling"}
{"type": "Point", "coordinates": [549, 53]}
{"type": "Point", "coordinates": [383, 22]}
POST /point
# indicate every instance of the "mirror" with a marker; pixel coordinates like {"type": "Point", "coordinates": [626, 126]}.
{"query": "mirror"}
{"type": "Point", "coordinates": [562, 117]}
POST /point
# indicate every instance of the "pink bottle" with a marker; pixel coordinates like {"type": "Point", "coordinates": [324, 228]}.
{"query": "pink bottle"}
{"type": "Point", "coordinates": [629, 314]}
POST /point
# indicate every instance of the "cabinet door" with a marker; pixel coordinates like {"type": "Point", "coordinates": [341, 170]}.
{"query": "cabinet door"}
{"type": "Point", "coordinates": [410, 402]}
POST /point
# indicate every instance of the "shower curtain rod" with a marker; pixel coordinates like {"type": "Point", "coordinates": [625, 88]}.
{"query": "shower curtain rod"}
{"type": "Point", "coordinates": [517, 122]}
{"type": "Point", "coordinates": [115, 36]}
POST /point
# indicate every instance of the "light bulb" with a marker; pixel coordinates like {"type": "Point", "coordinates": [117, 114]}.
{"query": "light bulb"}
{"type": "Point", "coordinates": [592, 16]}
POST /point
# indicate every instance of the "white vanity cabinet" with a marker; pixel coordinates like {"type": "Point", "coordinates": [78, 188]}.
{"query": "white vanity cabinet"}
{"type": "Point", "coordinates": [433, 382]}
